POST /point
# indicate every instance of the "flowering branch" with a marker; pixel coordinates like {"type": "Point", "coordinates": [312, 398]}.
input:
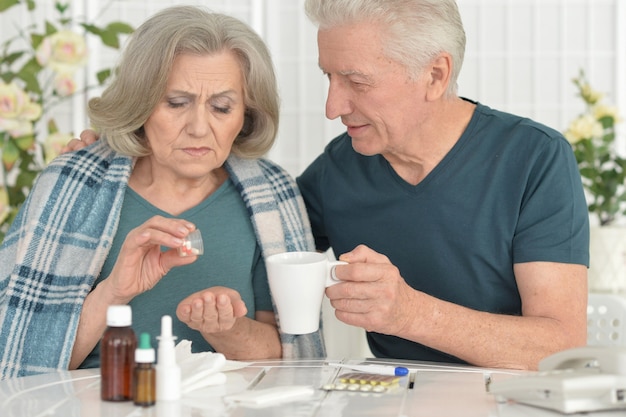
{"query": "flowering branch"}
{"type": "Point", "coordinates": [603, 171]}
{"type": "Point", "coordinates": [37, 72]}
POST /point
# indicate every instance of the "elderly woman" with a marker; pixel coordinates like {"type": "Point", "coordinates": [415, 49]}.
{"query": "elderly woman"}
{"type": "Point", "coordinates": [192, 109]}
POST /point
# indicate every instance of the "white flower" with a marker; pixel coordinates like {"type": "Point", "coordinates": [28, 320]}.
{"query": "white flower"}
{"type": "Point", "coordinates": [63, 51]}
{"type": "Point", "coordinates": [601, 110]}
{"type": "Point", "coordinates": [53, 144]}
{"type": "Point", "coordinates": [583, 127]}
{"type": "Point", "coordinates": [590, 95]}
{"type": "Point", "coordinates": [17, 111]}
{"type": "Point", "coordinates": [64, 84]}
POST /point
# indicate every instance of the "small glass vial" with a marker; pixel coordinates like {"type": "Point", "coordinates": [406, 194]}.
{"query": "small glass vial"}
{"type": "Point", "coordinates": [117, 355]}
{"type": "Point", "coordinates": [144, 388]}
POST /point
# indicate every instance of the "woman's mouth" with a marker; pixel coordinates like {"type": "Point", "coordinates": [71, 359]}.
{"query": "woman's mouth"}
{"type": "Point", "coordinates": [196, 151]}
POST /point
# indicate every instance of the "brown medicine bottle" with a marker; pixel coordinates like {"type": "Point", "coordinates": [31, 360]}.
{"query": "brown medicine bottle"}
{"type": "Point", "coordinates": [117, 355]}
{"type": "Point", "coordinates": [144, 388]}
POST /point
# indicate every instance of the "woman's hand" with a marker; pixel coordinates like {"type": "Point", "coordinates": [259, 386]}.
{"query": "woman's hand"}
{"type": "Point", "coordinates": [219, 314]}
{"type": "Point", "coordinates": [213, 310]}
{"type": "Point", "coordinates": [141, 263]}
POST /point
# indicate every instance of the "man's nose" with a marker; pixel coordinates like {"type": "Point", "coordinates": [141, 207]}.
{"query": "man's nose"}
{"type": "Point", "coordinates": [338, 102]}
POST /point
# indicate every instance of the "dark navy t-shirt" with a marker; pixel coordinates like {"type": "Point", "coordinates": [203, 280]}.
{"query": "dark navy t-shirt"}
{"type": "Point", "coordinates": [508, 192]}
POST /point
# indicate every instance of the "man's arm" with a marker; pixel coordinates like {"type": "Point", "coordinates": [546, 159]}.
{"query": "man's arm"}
{"type": "Point", "coordinates": [554, 318]}
{"type": "Point", "coordinates": [554, 308]}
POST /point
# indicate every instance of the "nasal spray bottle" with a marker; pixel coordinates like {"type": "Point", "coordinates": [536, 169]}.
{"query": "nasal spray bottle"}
{"type": "Point", "coordinates": [168, 378]}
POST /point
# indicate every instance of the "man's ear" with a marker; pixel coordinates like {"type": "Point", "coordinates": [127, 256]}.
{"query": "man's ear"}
{"type": "Point", "coordinates": [440, 74]}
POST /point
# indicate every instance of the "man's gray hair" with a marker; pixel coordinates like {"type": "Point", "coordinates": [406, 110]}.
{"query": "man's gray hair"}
{"type": "Point", "coordinates": [417, 30]}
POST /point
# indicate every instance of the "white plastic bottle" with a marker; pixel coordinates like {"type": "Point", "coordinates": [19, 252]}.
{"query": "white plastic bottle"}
{"type": "Point", "coordinates": [168, 378]}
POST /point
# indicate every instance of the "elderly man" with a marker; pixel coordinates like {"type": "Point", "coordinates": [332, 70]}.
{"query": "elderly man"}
{"type": "Point", "coordinates": [465, 228]}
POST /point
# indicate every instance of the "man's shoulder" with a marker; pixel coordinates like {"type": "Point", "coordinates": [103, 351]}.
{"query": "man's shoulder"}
{"type": "Point", "coordinates": [500, 117]}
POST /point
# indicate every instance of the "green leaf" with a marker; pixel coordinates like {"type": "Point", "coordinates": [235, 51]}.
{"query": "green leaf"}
{"type": "Point", "coordinates": [26, 178]}
{"type": "Point", "coordinates": [52, 127]}
{"type": "Point", "coordinates": [36, 39]}
{"type": "Point", "coordinates": [110, 39]}
{"type": "Point", "coordinates": [110, 34]}
{"type": "Point", "coordinates": [50, 28]}
{"type": "Point", "coordinates": [7, 4]}
{"type": "Point", "coordinates": [103, 75]}
{"type": "Point", "coordinates": [61, 7]}
{"type": "Point", "coordinates": [25, 142]}
{"type": "Point", "coordinates": [28, 73]}
{"type": "Point", "coordinates": [7, 77]}
{"type": "Point", "coordinates": [12, 57]}
{"type": "Point", "coordinates": [10, 153]}
{"type": "Point", "coordinates": [120, 27]}
{"type": "Point", "coordinates": [91, 28]}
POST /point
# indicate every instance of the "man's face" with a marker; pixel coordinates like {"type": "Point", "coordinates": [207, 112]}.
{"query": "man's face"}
{"type": "Point", "coordinates": [381, 107]}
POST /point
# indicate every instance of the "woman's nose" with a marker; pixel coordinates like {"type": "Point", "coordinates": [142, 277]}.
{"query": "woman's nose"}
{"type": "Point", "coordinates": [198, 121]}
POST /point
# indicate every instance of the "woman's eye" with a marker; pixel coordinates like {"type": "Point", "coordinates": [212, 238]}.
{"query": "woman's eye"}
{"type": "Point", "coordinates": [223, 110]}
{"type": "Point", "coordinates": [175, 104]}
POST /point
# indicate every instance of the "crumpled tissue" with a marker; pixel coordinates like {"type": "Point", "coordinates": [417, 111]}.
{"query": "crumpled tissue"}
{"type": "Point", "coordinates": [202, 369]}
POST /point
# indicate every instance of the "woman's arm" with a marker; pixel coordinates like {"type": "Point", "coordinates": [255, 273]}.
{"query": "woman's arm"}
{"type": "Point", "coordinates": [140, 265]}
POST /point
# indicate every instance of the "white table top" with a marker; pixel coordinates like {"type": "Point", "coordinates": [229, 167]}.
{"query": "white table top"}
{"type": "Point", "coordinates": [437, 390]}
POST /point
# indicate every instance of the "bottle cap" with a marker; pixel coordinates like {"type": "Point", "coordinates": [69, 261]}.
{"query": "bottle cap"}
{"type": "Point", "coordinates": [144, 353]}
{"type": "Point", "coordinates": [192, 245]}
{"type": "Point", "coordinates": [119, 316]}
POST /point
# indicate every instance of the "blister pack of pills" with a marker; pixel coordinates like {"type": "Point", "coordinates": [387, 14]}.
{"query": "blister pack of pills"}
{"type": "Point", "coordinates": [363, 382]}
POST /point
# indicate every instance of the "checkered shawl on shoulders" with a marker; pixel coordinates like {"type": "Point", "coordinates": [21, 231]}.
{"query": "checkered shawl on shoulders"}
{"type": "Point", "coordinates": [62, 235]}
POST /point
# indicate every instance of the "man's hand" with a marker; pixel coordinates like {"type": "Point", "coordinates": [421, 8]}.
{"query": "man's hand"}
{"type": "Point", "coordinates": [87, 137]}
{"type": "Point", "coordinates": [372, 294]}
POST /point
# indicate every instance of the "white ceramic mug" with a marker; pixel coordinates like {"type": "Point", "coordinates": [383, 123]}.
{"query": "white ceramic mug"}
{"type": "Point", "coordinates": [297, 282]}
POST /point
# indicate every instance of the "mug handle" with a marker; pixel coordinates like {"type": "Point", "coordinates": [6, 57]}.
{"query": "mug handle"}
{"type": "Point", "coordinates": [331, 278]}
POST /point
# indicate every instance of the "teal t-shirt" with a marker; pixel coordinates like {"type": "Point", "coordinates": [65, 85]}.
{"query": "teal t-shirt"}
{"type": "Point", "coordinates": [508, 192]}
{"type": "Point", "coordinates": [232, 258]}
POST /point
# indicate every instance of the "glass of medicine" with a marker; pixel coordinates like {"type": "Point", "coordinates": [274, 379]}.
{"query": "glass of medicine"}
{"type": "Point", "coordinates": [192, 245]}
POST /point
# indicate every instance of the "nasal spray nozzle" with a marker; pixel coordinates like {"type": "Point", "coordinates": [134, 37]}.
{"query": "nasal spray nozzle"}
{"type": "Point", "coordinates": [168, 378]}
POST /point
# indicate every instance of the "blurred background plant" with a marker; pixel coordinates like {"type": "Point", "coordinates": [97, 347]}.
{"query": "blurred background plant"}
{"type": "Point", "coordinates": [39, 69]}
{"type": "Point", "coordinates": [603, 170]}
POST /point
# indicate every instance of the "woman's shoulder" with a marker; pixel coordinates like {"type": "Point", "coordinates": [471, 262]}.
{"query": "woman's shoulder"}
{"type": "Point", "coordinates": [92, 164]}
{"type": "Point", "coordinates": [246, 169]}
{"type": "Point", "coordinates": [98, 152]}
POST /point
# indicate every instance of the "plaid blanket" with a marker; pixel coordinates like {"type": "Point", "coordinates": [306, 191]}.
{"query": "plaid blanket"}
{"type": "Point", "coordinates": [59, 241]}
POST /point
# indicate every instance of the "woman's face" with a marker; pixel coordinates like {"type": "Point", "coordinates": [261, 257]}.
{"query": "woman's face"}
{"type": "Point", "coordinates": [192, 129]}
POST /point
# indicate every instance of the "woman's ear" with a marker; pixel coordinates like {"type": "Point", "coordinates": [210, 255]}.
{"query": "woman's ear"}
{"type": "Point", "coordinates": [248, 125]}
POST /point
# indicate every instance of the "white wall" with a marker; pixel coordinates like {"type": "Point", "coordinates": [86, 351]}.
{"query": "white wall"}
{"type": "Point", "coordinates": [521, 56]}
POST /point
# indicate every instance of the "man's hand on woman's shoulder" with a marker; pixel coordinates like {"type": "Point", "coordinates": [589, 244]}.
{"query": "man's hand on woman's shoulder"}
{"type": "Point", "coordinates": [86, 137]}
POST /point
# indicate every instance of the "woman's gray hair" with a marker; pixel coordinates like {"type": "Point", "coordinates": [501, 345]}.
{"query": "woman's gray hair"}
{"type": "Point", "coordinates": [417, 30]}
{"type": "Point", "coordinates": [141, 78]}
